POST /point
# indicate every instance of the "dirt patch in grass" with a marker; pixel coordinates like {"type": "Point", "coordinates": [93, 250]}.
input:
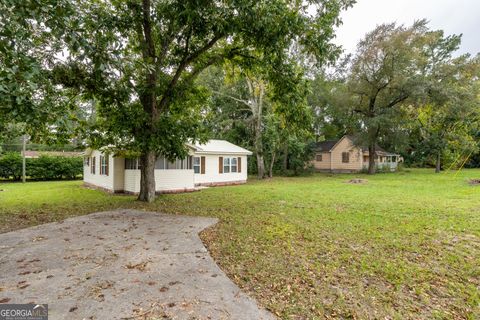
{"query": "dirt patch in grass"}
{"type": "Point", "coordinates": [357, 181]}
{"type": "Point", "coordinates": [474, 182]}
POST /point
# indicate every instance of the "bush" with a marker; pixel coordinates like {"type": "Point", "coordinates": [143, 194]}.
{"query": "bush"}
{"type": "Point", "coordinates": [42, 168]}
{"type": "Point", "coordinates": [54, 168]}
{"type": "Point", "coordinates": [11, 166]}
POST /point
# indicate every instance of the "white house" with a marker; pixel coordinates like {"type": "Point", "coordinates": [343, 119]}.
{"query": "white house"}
{"type": "Point", "coordinates": [218, 162]}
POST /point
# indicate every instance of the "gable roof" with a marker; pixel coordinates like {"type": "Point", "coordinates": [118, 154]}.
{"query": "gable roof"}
{"type": "Point", "coordinates": [329, 145]}
{"type": "Point", "coordinates": [219, 147]}
{"type": "Point", "coordinates": [326, 145]}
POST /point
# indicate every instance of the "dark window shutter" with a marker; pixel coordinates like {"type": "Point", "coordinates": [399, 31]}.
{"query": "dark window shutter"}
{"type": "Point", "coordinates": [108, 164]}
{"type": "Point", "coordinates": [220, 165]}
{"type": "Point", "coordinates": [202, 165]}
{"type": "Point", "coordinates": [239, 164]}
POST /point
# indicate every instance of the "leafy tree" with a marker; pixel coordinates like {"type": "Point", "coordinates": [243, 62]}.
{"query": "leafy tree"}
{"type": "Point", "coordinates": [138, 60]}
{"type": "Point", "coordinates": [383, 75]}
{"type": "Point", "coordinates": [448, 118]}
{"type": "Point", "coordinates": [31, 39]}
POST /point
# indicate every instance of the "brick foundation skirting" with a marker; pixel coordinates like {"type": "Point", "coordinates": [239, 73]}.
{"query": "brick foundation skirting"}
{"type": "Point", "coordinates": [92, 186]}
{"type": "Point", "coordinates": [220, 184]}
{"type": "Point", "coordinates": [338, 171]}
{"type": "Point", "coordinates": [207, 184]}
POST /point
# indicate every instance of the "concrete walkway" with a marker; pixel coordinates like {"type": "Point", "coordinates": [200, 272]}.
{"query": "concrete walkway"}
{"type": "Point", "coordinates": [120, 264]}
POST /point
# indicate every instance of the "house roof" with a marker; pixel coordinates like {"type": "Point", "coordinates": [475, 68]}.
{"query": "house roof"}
{"type": "Point", "coordinates": [219, 147]}
{"type": "Point", "coordinates": [328, 145]}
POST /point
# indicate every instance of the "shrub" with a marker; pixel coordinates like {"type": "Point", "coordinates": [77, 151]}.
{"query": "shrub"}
{"type": "Point", "coordinates": [54, 168]}
{"type": "Point", "coordinates": [11, 166]}
{"type": "Point", "coordinates": [42, 168]}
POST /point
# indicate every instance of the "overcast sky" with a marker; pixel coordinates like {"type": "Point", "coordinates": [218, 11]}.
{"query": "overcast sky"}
{"type": "Point", "coordinates": [453, 16]}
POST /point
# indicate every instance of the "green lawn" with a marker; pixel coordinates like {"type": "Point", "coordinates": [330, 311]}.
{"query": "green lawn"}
{"type": "Point", "coordinates": [402, 246]}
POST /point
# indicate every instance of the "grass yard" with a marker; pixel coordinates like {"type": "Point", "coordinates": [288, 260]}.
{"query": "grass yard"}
{"type": "Point", "coordinates": [401, 246]}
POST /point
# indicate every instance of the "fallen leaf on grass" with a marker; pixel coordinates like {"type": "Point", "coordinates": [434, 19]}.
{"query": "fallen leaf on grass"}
{"type": "Point", "coordinates": [142, 266]}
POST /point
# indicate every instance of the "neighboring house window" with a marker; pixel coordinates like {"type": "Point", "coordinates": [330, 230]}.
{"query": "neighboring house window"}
{"type": "Point", "coordinates": [233, 165]}
{"type": "Point", "coordinates": [319, 158]}
{"type": "Point", "coordinates": [345, 157]}
{"type": "Point", "coordinates": [226, 165]}
{"type": "Point", "coordinates": [196, 164]}
{"type": "Point", "coordinates": [92, 167]}
{"type": "Point", "coordinates": [104, 165]}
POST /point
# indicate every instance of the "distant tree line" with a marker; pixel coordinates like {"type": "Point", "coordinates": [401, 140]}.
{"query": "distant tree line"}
{"type": "Point", "coordinates": [150, 75]}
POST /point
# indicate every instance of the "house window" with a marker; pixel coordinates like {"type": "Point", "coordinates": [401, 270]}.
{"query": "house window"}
{"type": "Point", "coordinates": [132, 164]}
{"type": "Point", "coordinates": [104, 165]}
{"type": "Point", "coordinates": [319, 158]}
{"type": "Point", "coordinates": [86, 161]}
{"type": "Point", "coordinates": [233, 163]}
{"type": "Point", "coordinates": [160, 163]}
{"type": "Point", "coordinates": [92, 167]}
{"type": "Point", "coordinates": [345, 157]}
{"type": "Point", "coordinates": [163, 163]}
{"type": "Point", "coordinates": [196, 164]}
{"type": "Point", "coordinates": [226, 165]}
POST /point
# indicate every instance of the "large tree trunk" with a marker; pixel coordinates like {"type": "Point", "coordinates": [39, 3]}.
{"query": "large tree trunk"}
{"type": "Point", "coordinates": [371, 158]}
{"type": "Point", "coordinates": [438, 164]}
{"type": "Point", "coordinates": [256, 90]}
{"type": "Point", "coordinates": [147, 177]}
{"type": "Point", "coordinates": [272, 162]}
{"type": "Point", "coordinates": [259, 153]}
{"type": "Point", "coordinates": [285, 157]}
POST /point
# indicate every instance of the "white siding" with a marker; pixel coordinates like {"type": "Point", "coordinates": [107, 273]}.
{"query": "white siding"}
{"type": "Point", "coordinates": [118, 175]}
{"type": "Point", "coordinates": [97, 179]}
{"type": "Point", "coordinates": [132, 181]}
{"type": "Point", "coordinates": [173, 180]}
{"type": "Point", "coordinates": [165, 180]}
{"type": "Point", "coordinates": [212, 174]}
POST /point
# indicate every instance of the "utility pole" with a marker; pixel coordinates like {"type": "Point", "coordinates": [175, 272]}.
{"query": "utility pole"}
{"type": "Point", "coordinates": [24, 142]}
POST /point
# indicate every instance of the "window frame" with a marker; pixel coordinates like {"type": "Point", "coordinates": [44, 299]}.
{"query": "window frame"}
{"type": "Point", "coordinates": [93, 166]}
{"type": "Point", "coordinates": [233, 166]}
{"type": "Point", "coordinates": [104, 165]}
{"type": "Point", "coordinates": [226, 165]}
{"type": "Point", "coordinates": [345, 157]}
{"type": "Point", "coordinates": [132, 164]}
{"type": "Point", "coordinates": [195, 165]}
{"type": "Point", "coordinates": [319, 157]}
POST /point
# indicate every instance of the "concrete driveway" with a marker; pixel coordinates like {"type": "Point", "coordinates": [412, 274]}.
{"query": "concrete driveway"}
{"type": "Point", "coordinates": [120, 264]}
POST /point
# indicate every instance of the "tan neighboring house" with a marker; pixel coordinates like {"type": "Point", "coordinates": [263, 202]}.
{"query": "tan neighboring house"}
{"type": "Point", "coordinates": [345, 156]}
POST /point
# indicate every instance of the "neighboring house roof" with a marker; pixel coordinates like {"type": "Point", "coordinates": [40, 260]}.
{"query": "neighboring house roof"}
{"type": "Point", "coordinates": [219, 147]}
{"type": "Point", "coordinates": [36, 154]}
{"type": "Point", "coordinates": [329, 145]}
{"type": "Point", "coordinates": [326, 145]}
